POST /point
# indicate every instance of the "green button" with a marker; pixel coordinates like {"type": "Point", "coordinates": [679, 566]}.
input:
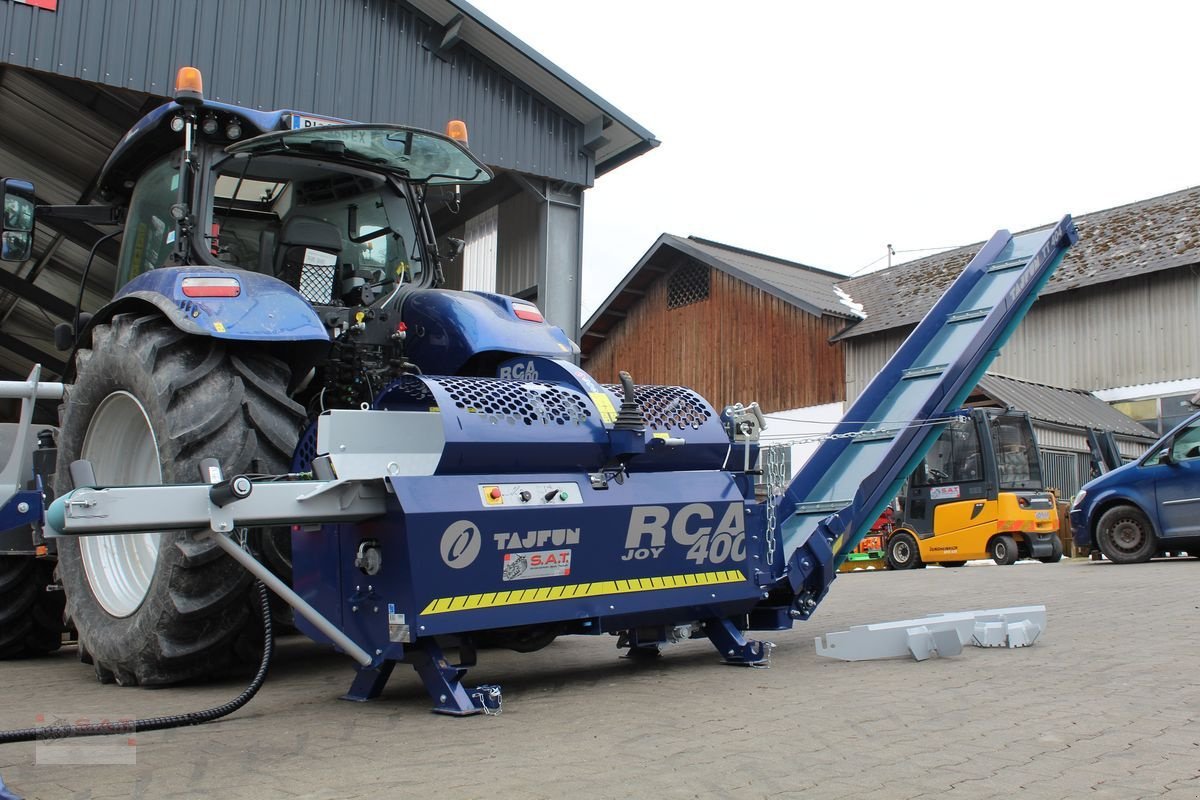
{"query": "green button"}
{"type": "Point", "coordinates": [562, 495]}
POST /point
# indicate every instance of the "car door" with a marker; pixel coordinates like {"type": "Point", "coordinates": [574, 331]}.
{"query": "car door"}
{"type": "Point", "coordinates": [1177, 485]}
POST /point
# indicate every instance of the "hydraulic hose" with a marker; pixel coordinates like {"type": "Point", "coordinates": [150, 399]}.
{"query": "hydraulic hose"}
{"type": "Point", "coordinates": [162, 723]}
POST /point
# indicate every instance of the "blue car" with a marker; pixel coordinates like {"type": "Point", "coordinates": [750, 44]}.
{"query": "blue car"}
{"type": "Point", "coordinates": [1148, 506]}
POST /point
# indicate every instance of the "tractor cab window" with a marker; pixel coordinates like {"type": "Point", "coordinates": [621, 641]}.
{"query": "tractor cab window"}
{"type": "Point", "coordinates": [149, 228]}
{"type": "Point", "coordinates": [1017, 462]}
{"type": "Point", "coordinates": [337, 234]}
{"type": "Point", "coordinates": [954, 458]}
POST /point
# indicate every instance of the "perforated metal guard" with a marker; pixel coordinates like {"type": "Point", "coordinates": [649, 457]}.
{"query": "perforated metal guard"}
{"type": "Point", "coordinates": [313, 281]}
{"type": "Point", "coordinates": [526, 402]}
{"type": "Point", "coordinates": [306, 450]}
{"type": "Point", "coordinates": [668, 408]}
{"type": "Point", "coordinates": [408, 393]}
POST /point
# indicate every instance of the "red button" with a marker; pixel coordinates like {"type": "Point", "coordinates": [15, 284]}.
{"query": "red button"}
{"type": "Point", "coordinates": [494, 493]}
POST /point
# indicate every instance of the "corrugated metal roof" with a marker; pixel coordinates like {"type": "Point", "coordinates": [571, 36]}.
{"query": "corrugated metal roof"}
{"type": "Point", "coordinates": [368, 60]}
{"type": "Point", "coordinates": [1072, 407]}
{"type": "Point", "coordinates": [1147, 236]}
{"type": "Point", "coordinates": [808, 288]}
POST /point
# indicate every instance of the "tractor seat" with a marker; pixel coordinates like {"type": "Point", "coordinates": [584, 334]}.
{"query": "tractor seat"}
{"type": "Point", "coordinates": [307, 257]}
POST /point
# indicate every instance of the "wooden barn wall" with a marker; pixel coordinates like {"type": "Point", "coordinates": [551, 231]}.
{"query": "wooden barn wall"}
{"type": "Point", "coordinates": [739, 345]}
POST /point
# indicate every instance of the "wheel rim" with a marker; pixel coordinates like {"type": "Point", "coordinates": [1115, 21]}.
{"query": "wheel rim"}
{"type": "Point", "coordinates": [902, 552]}
{"type": "Point", "coordinates": [123, 450]}
{"type": "Point", "coordinates": [1001, 551]}
{"type": "Point", "coordinates": [1126, 535]}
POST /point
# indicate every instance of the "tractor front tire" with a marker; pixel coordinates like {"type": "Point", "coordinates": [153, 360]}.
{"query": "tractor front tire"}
{"type": "Point", "coordinates": [149, 402]}
{"type": "Point", "coordinates": [31, 618]}
{"type": "Point", "coordinates": [902, 551]}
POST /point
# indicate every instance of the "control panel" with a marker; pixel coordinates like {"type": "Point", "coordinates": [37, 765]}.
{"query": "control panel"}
{"type": "Point", "coordinates": [530, 494]}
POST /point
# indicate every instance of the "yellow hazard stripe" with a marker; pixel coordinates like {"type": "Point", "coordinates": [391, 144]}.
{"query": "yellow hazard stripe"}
{"type": "Point", "coordinates": [544, 594]}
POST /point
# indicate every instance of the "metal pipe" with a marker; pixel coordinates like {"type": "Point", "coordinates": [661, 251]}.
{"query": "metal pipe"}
{"type": "Point", "coordinates": [292, 599]}
{"type": "Point", "coordinates": [44, 390]}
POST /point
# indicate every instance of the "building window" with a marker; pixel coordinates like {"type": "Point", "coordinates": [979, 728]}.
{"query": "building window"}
{"type": "Point", "coordinates": [1159, 414]}
{"type": "Point", "coordinates": [688, 284]}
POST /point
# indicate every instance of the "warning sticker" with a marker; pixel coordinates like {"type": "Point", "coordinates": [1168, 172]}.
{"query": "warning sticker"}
{"type": "Point", "coordinates": [604, 406]}
{"type": "Point", "coordinates": [541, 564]}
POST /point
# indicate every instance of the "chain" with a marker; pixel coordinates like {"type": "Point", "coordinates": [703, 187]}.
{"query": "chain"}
{"type": "Point", "coordinates": [774, 489]}
{"type": "Point", "coordinates": [489, 699]}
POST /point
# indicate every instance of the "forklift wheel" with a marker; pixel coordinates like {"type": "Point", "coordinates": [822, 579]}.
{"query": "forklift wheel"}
{"type": "Point", "coordinates": [1003, 550]}
{"type": "Point", "coordinates": [1056, 552]}
{"type": "Point", "coordinates": [902, 551]}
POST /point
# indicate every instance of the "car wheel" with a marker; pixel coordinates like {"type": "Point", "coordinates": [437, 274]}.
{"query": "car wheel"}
{"type": "Point", "coordinates": [1125, 536]}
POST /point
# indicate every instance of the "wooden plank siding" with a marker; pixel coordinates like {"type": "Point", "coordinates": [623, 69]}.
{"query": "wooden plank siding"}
{"type": "Point", "coordinates": [739, 345]}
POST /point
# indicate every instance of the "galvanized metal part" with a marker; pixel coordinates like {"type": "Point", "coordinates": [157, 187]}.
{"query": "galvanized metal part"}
{"type": "Point", "coordinates": [943, 634]}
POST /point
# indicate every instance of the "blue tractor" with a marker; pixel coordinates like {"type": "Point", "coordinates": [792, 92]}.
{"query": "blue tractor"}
{"type": "Point", "coordinates": [415, 468]}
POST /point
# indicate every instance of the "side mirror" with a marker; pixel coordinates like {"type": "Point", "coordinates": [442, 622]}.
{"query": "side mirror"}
{"type": "Point", "coordinates": [455, 249]}
{"type": "Point", "coordinates": [16, 227]}
{"type": "Point", "coordinates": [1164, 456]}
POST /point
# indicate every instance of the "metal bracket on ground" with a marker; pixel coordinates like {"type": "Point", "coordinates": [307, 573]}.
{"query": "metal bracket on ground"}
{"type": "Point", "coordinates": [941, 634]}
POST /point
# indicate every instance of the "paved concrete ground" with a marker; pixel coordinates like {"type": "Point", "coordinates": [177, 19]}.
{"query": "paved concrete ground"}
{"type": "Point", "coordinates": [1105, 705]}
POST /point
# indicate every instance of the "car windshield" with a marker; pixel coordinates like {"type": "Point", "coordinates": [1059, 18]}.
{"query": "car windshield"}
{"type": "Point", "coordinates": [333, 232]}
{"type": "Point", "coordinates": [416, 155]}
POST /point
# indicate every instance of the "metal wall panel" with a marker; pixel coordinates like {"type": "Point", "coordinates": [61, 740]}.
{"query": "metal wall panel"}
{"type": "Point", "coordinates": [517, 254]}
{"type": "Point", "coordinates": [370, 60]}
{"type": "Point", "coordinates": [1130, 332]}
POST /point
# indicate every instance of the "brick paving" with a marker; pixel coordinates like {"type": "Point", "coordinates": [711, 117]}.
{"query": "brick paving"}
{"type": "Point", "coordinates": [1105, 705]}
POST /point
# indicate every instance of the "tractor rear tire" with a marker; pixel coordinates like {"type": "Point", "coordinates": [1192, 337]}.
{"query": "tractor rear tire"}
{"type": "Point", "coordinates": [902, 551]}
{"type": "Point", "coordinates": [1125, 536]}
{"type": "Point", "coordinates": [149, 402]}
{"type": "Point", "coordinates": [31, 618]}
{"type": "Point", "coordinates": [1003, 550]}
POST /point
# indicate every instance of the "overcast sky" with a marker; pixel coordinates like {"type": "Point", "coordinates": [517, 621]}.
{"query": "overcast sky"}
{"type": "Point", "coordinates": [822, 132]}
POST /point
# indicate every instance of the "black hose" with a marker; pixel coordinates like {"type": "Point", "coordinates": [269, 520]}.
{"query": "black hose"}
{"type": "Point", "coordinates": [162, 723]}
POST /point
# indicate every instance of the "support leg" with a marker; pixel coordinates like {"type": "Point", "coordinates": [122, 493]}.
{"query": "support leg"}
{"type": "Point", "coordinates": [369, 682]}
{"type": "Point", "coordinates": [443, 681]}
{"type": "Point", "coordinates": [736, 649]}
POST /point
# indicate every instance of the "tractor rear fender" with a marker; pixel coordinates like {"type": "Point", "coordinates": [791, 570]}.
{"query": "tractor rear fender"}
{"type": "Point", "coordinates": [264, 309]}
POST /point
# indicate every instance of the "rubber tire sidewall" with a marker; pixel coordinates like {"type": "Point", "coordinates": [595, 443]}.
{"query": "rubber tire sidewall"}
{"type": "Point", "coordinates": [31, 618]}
{"type": "Point", "coordinates": [907, 539]}
{"type": "Point", "coordinates": [1011, 553]}
{"type": "Point", "coordinates": [196, 617]}
{"type": "Point", "coordinates": [1114, 554]}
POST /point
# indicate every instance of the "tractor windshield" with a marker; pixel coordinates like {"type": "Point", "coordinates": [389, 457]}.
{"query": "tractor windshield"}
{"type": "Point", "coordinates": [334, 232]}
{"type": "Point", "coordinates": [415, 155]}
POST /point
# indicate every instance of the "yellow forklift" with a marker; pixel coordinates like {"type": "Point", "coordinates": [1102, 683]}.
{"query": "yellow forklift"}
{"type": "Point", "coordinates": [977, 494]}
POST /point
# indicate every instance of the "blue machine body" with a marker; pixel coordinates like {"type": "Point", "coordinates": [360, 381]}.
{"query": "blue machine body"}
{"type": "Point", "coordinates": [552, 546]}
{"type": "Point", "coordinates": [449, 327]}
